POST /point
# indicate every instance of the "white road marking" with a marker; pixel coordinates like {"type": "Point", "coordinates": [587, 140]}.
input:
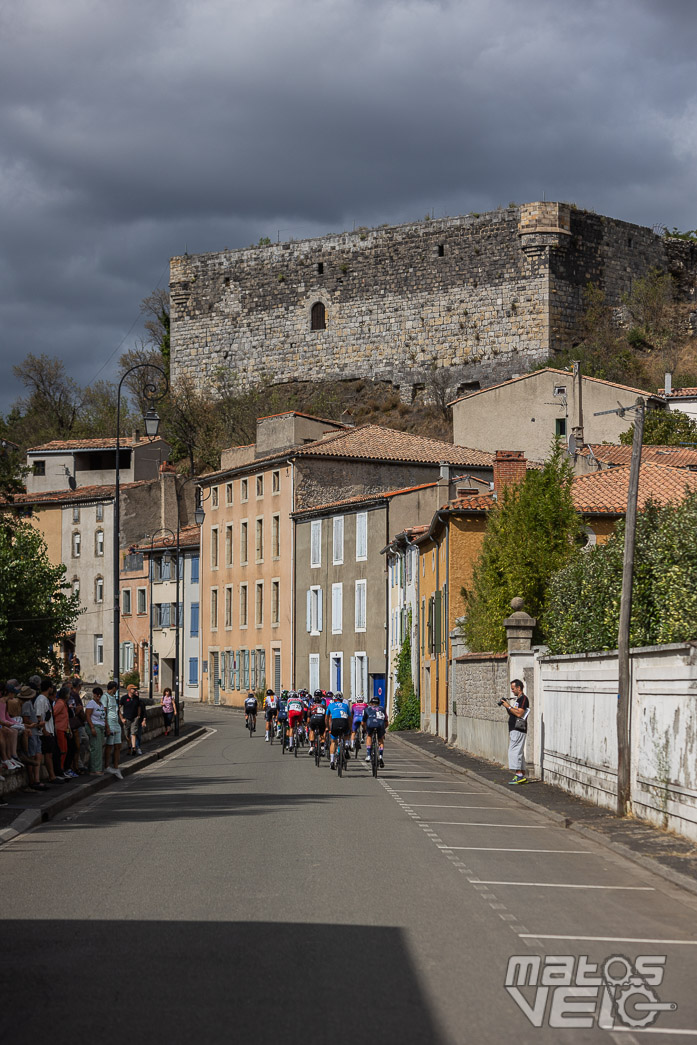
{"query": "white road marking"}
{"type": "Point", "coordinates": [476, 823]}
{"type": "Point", "coordinates": [651, 1030]}
{"type": "Point", "coordinates": [501, 849]}
{"type": "Point", "coordinates": [569, 885]}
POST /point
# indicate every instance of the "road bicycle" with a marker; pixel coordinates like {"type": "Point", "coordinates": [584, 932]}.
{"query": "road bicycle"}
{"type": "Point", "coordinates": [374, 751]}
{"type": "Point", "coordinates": [295, 740]}
{"type": "Point", "coordinates": [250, 725]}
{"type": "Point", "coordinates": [283, 736]}
{"type": "Point", "coordinates": [341, 760]}
{"type": "Point", "coordinates": [357, 744]}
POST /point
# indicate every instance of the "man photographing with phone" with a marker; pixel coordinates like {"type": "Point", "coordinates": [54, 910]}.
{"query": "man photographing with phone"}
{"type": "Point", "coordinates": [518, 708]}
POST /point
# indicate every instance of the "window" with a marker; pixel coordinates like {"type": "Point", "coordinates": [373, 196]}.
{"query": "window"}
{"type": "Point", "coordinates": [77, 545]}
{"type": "Point", "coordinates": [260, 486]}
{"type": "Point", "coordinates": [336, 671]}
{"type": "Point", "coordinates": [100, 512]}
{"type": "Point", "coordinates": [244, 654]}
{"type": "Point", "coordinates": [126, 656]}
{"type": "Point", "coordinates": [244, 606]}
{"type": "Point", "coordinates": [214, 609]}
{"type": "Point", "coordinates": [243, 542]}
{"type": "Point", "coordinates": [163, 568]}
{"type": "Point", "coordinates": [132, 562]}
{"type": "Point", "coordinates": [276, 536]}
{"type": "Point", "coordinates": [314, 610]}
{"type": "Point", "coordinates": [194, 569]}
{"type": "Point", "coordinates": [275, 602]}
{"type": "Point", "coordinates": [337, 609]}
{"type": "Point", "coordinates": [163, 615]}
{"type": "Point", "coordinates": [141, 600]}
{"type": "Point", "coordinates": [252, 669]}
{"type": "Point", "coordinates": [193, 625]}
{"type": "Point", "coordinates": [338, 540]}
{"type": "Point", "coordinates": [560, 427]}
{"type": "Point", "coordinates": [39, 468]}
{"type": "Point", "coordinates": [99, 589]}
{"type": "Point", "coordinates": [193, 671]}
{"type": "Point", "coordinates": [125, 601]}
{"type": "Point", "coordinates": [318, 317]}
{"type": "Point", "coordinates": [261, 669]}
{"type": "Point", "coordinates": [214, 548]}
{"type": "Point", "coordinates": [244, 490]}
{"type": "Point", "coordinates": [360, 605]}
{"type": "Point", "coordinates": [259, 603]}
{"type": "Point", "coordinates": [361, 536]}
{"type": "Point", "coordinates": [99, 542]}
{"type": "Point", "coordinates": [314, 672]}
{"type": "Point", "coordinates": [228, 493]}
{"type": "Point", "coordinates": [228, 606]}
{"type": "Point", "coordinates": [316, 543]}
{"type": "Point", "coordinates": [228, 544]}
{"type": "Point", "coordinates": [441, 250]}
{"type": "Point", "coordinates": [275, 482]}
{"type": "Point", "coordinates": [98, 649]}
{"type": "Point", "coordinates": [259, 543]}
{"type": "Point", "coordinates": [76, 514]}
{"type": "Point", "coordinates": [214, 497]}
{"type": "Point", "coordinates": [76, 585]}
{"type": "Point", "coordinates": [320, 268]}
{"type": "Point", "coordinates": [359, 676]}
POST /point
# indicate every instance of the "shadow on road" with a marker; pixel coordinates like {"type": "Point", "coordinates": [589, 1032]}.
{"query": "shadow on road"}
{"type": "Point", "coordinates": [248, 982]}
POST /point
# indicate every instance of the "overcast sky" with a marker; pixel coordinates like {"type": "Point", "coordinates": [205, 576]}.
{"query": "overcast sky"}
{"type": "Point", "coordinates": [134, 130]}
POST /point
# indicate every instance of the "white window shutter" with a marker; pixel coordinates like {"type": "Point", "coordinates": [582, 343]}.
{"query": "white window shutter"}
{"type": "Point", "coordinates": [316, 542]}
{"type": "Point", "coordinates": [338, 542]}
{"type": "Point", "coordinates": [353, 678]}
{"type": "Point", "coordinates": [309, 609]}
{"type": "Point", "coordinates": [320, 593]}
{"type": "Point", "coordinates": [365, 677]}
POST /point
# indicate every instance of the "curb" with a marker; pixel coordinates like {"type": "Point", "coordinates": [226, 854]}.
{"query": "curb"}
{"type": "Point", "coordinates": [647, 862]}
{"type": "Point", "coordinates": [30, 818]}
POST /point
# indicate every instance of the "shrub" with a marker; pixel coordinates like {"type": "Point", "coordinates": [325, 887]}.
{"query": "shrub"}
{"type": "Point", "coordinates": [407, 710]}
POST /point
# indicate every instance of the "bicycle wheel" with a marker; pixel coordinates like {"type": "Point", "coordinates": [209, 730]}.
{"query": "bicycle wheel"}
{"type": "Point", "coordinates": [296, 742]}
{"type": "Point", "coordinates": [339, 766]}
{"type": "Point", "coordinates": [272, 730]}
{"type": "Point", "coordinates": [374, 748]}
{"type": "Point", "coordinates": [317, 750]}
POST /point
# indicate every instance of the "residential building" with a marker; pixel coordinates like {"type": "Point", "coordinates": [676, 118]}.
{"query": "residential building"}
{"type": "Point", "coordinates": [342, 588]}
{"type": "Point", "coordinates": [596, 457]}
{"type": "Point", "coordinates": [247, 550]}
{"type": "Point", "coordinates": [403, 610]}
{"type": "Point", "coordinates": [531, 410]}
{"type": "Point", "coordinates": [65, 464]}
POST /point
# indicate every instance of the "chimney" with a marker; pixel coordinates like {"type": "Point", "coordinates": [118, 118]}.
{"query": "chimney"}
{"type": "Point", "coordinates": [668, 387]}
{"type": "Point", "coordinates": [136, 436]}
{"type": "Point", "coordinates": [510, 467]}
{"type": "Point", "coordinates": [444, 483]}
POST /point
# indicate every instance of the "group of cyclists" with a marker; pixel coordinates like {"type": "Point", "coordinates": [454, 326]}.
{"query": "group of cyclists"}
{"type": "Point", "coordinates": [327, 718]}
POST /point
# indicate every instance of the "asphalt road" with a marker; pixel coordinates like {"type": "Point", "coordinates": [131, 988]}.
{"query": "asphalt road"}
{"type": "Point", "coordinates": [232, 893]}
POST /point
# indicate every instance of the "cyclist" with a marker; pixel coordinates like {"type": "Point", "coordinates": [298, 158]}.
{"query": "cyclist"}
{"type": "Point", "coordinates": [250, 708]}
{"type": "Point", "coordinates": [295, 708]}
{"type": "Point", "coordinates": [357, 712]}
{"type": "Point", "coordinates": [270, 712]}
{"type": "Point", "coordinates": [375, 721]}
{"type": "Point", "coordinates": [318, 720]}
{"type": "Point", "coordinates": [282, 718]}
{"type": "Point", "coordinates": [338, 723]}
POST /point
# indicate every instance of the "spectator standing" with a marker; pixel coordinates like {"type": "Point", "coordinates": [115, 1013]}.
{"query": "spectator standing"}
{"type": "Point", "coordinates": [33, 727]}
{"type": "Point", "coordinates": [114, 721]}
{"type": "Point", "coordinates": [61, 721]}
{"type": "Point", "coordinates": [169, 709]}
{"type": "Point", "coordinates": [44, 711]}
{"type": "Point", "coordinates": [133, 710]}
{"type": "Point", "coordinates": [10, 731]}
{"type": "Point", "coordinates": [96, 719]}
{"type": "Point", "coordinates": [80, 751]}
{"type": "Point", "coordinates": [14, 710]}
{"type": "Point", "coordinates": [518, 708]}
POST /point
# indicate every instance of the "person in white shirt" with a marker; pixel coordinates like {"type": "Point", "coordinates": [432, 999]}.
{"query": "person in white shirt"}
{"type": "Point", "coordinates": [96, 719]}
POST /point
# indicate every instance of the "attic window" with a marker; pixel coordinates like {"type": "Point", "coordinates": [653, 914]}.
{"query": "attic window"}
{"type": "Point", "coordinates": [318, 317]}
{"type": "Point", "coordinates": [39, 468]}
{"type": "Point", "coordinates": [441, 250]}
{"type": "Point", "coordinates": [320, 268]}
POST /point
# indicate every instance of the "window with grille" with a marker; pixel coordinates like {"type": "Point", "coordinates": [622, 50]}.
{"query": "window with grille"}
{"type": "Point", "coordinates": [318, 316]}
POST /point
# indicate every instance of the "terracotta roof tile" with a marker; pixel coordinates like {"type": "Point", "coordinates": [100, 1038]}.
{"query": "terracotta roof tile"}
{"type": "Point", "coordinates": [310, 417]}
{"type": "Point", "coordinates": [90, 444]}
{"type": "Point", "coordinates": [80, 493]}
{"type": "Point", "coordinates": [678, 393]}
{"type": "Point", "coordinates": [613, 454]}
{"type": "Point", "coordinates": [605, 493]}
{"type": "Point", "coordinates": [189, 537]}
{"type": "Point", "coordinates": [372, 442]}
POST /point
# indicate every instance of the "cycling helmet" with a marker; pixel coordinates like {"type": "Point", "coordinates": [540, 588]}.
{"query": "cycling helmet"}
{"type": "Point", "coordinates": [330, 695]}
{"type": "Point", "coordinates": [318, 694]}
{"type": "Point", "coordinates": [375, 699]}
{"type": "Point", "coordinates": [338, 696]}
{"type": "Point", "coordinates": [270, 693]}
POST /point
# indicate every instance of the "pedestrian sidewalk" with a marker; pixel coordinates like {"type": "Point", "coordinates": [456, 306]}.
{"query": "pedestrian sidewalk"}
{"type": "Point", "coordinates": [24, 811]}
{"type": "Point", "coordinates": [667, 854]}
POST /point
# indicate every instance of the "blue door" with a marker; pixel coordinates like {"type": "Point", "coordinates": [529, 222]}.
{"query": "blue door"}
{"type": "Point", "coordinates": [379, 688]}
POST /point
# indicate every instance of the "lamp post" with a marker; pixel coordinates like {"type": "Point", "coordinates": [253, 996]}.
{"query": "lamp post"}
{"type": "Point", "coordinates": [167, 540]}
{"type": "Point", "coordinates": [152, 424]}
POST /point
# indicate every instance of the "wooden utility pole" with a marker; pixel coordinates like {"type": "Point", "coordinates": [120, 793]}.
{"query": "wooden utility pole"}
{"type": "Point", "coordinates": [624, 678]}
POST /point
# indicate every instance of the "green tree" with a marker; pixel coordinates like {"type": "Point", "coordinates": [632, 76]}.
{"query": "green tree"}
{"type": "Point", "coordinates": [155, 307]}
{"type": "Point", "coordinates": [664, 428]}
{"type": "Point", "coordinates": [407, 710]}
{"type": "Point", "coordinates": [584, 604]}
{"type": "Point", "coordinates": [35, 606]}
{"type": "Point", "coordinates": [531, 533]}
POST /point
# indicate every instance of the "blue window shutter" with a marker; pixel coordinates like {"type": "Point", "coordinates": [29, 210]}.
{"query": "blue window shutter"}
{"type": "Point", "coordinates": [194, 620]}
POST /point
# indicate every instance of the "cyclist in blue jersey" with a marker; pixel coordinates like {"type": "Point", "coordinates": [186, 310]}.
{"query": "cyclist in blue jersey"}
{"type": "Point", "coordinates": [318, 721]}
{"type": "Point", "coordinates": [338, 724]}
{"type": "Point", "coordinates": [375, 721]}
{"type": "Point", "coordinates": [282, 716]}
{"type": "Point", "coordinates": [358, 709]}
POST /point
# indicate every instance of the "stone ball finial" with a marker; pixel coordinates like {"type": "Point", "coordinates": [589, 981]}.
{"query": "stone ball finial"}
{"type": "Point", "coordinates": [517, 604]}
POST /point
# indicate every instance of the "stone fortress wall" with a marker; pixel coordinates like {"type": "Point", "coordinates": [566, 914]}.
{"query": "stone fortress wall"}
{"type": "Point", "coordinates": [482, 295]}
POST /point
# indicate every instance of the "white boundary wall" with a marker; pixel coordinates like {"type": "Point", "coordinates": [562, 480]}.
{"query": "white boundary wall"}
{"type": "Point", "coordinates": [574, 707]}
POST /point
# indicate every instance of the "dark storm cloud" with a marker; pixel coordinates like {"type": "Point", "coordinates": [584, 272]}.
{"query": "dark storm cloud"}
{"type": "Point", "coordinates": [133, 131]}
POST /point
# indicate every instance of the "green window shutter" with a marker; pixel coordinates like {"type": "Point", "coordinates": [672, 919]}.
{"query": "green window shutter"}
{"type": "Point", "coordinates": [430, 624]}
{"type": "Point", "coordinates": [437, 622]}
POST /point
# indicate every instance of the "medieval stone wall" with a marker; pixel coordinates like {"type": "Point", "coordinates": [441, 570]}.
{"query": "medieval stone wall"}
{"type": "Point", "coordinates": [484, 296]}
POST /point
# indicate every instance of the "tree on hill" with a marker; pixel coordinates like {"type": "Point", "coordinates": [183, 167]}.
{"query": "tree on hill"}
{"type": "Point", "coordinates": [36, 607]}
{"type": "Point", "coordinates": [531, 533]}
{"type": "Point", "coordinates": [664, 428]}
